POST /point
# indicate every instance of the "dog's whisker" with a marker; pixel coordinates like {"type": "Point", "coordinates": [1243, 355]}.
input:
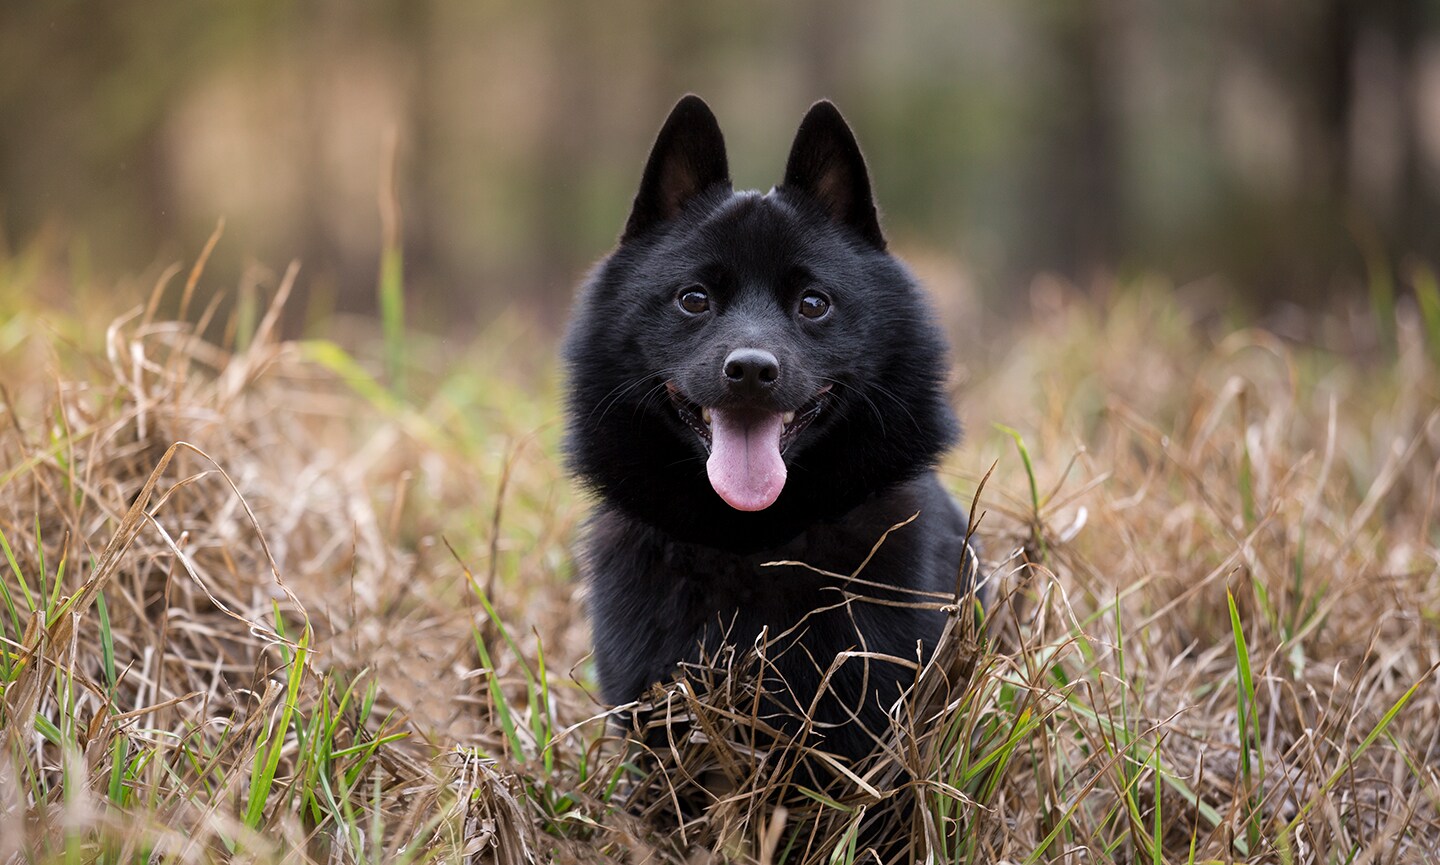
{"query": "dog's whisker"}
{"type": "Point", "coordinates": [875, 409]}
{"type": "Point", "coordinates": [614, 396]}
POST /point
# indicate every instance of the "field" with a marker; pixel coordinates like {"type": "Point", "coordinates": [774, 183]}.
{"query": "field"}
{"type": "Point", "coordinates": [306, 600]}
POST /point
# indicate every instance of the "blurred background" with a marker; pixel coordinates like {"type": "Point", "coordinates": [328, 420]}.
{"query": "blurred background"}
{"type": "Point", "coordinates": [1286, 150]}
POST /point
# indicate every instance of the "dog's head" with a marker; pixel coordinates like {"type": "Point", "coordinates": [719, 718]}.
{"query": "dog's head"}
{"type": "Point", "coordinates": [765, 335]}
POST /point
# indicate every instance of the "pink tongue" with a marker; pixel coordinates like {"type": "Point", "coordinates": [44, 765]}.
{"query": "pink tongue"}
{"type": "Point", "coordinates": [745, 466]}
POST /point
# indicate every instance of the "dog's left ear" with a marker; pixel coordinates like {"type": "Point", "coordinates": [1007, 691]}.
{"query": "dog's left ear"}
{"type": "Point", "coordinates": [825, 163]}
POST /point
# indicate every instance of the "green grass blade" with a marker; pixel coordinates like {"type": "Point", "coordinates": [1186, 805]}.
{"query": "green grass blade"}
{"type": "Point", "coordinates": [1036, 528]}
{"type": "Point", "coordinates": [1427, 296]}
{"type": "Point", "coordinates": [268, 755]}
{"type": "Point", "coordinates": [19, 577]}
{"type": "Point", "coordinates": [107, 643]}
{"type": "Point", "coordinates": [499, 700]}
{"type": "Point", "coordinates": [1249, 723]}
{"type": "Point", "coordinates": [1379, 729]}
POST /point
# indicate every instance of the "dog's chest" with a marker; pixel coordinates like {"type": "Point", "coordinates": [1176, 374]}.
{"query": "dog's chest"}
{"type": "Point", "coordinates": [719, 581]}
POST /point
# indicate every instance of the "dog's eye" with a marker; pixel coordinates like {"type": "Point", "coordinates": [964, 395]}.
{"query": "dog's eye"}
{"type": "Point", "coordinates": [814, 305]}
{"type": "Point", "coordinates": [693, 300]}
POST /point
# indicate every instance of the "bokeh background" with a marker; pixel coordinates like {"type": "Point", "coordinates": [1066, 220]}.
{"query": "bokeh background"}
{"type": "Point", "coordinates": [1276, 151]}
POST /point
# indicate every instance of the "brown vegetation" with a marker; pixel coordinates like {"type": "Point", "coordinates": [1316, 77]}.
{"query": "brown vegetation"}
{"type": "Point", "coordinates": [258, 604]}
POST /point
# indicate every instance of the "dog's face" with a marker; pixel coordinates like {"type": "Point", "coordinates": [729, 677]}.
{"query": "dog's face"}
{"type": "Point", "coordinates": [762, 328]}
{"type": "Point", "coordinates": [745, 331]}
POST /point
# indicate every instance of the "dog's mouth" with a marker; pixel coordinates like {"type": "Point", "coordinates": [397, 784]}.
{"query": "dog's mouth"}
{"type": "Point", "coordinates": [701, 418]}
{"type": "Point", "coordinates": [746, 445]}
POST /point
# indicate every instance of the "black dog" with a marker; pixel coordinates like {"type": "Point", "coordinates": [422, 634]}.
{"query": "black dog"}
{"type": "Point", "coordinates": [753, 379]}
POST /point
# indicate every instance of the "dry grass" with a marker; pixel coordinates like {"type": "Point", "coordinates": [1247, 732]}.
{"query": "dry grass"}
{"type": "Point", "coordinates": [259, 605]}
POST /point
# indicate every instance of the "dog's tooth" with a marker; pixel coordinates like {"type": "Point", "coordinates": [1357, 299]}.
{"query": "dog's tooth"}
{"type": "Point", "coordinates": [705, 415]}
{"type": "Point", "coordinates": [788, 417]}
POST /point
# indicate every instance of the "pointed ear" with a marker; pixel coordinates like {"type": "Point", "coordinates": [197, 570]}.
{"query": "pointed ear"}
{"type": "Point", "coordinates": [825, 163]}
{"type": "Point", "coordinates": [688, 158]}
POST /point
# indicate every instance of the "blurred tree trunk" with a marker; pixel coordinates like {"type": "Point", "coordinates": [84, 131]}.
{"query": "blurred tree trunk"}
{"type": "Point", "coordinates": [827, 40]}
{"type": "Point", "coordinates": [567, 131]}
{"type": "Point", "coordinates": [1077, 201]}
{"type": "Point", "coordinates": [1331, 78]}
{"type": "Point", "coordinates": [1401, 221]}
{"type": "Point", "coordinates": [419, 37]}
{"type": "Point", "coordinates": [1419, 206]}
{"type": "Point", "coordinates": [318, 23]}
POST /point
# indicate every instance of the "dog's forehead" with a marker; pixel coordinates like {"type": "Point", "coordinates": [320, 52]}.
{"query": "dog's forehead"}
{"type": "Point", "coordinates": [753, 230]}
{"type": "Point", "coordinates": [750, 213]}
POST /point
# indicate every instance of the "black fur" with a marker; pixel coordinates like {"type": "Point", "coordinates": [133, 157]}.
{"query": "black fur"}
{"type": "Point", "coordinates": [671, 568]}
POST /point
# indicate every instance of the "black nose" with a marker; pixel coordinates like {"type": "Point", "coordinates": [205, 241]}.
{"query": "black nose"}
{"type": "Point", "coordinates": [751, 370]}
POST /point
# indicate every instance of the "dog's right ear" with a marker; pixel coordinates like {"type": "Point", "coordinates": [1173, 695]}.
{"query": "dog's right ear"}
{"type": "Point", "coordinates": [687, 159]}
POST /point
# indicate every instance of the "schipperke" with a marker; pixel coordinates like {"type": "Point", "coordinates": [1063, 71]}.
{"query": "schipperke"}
{"type": "Point", "coordinates": [754, 379]}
